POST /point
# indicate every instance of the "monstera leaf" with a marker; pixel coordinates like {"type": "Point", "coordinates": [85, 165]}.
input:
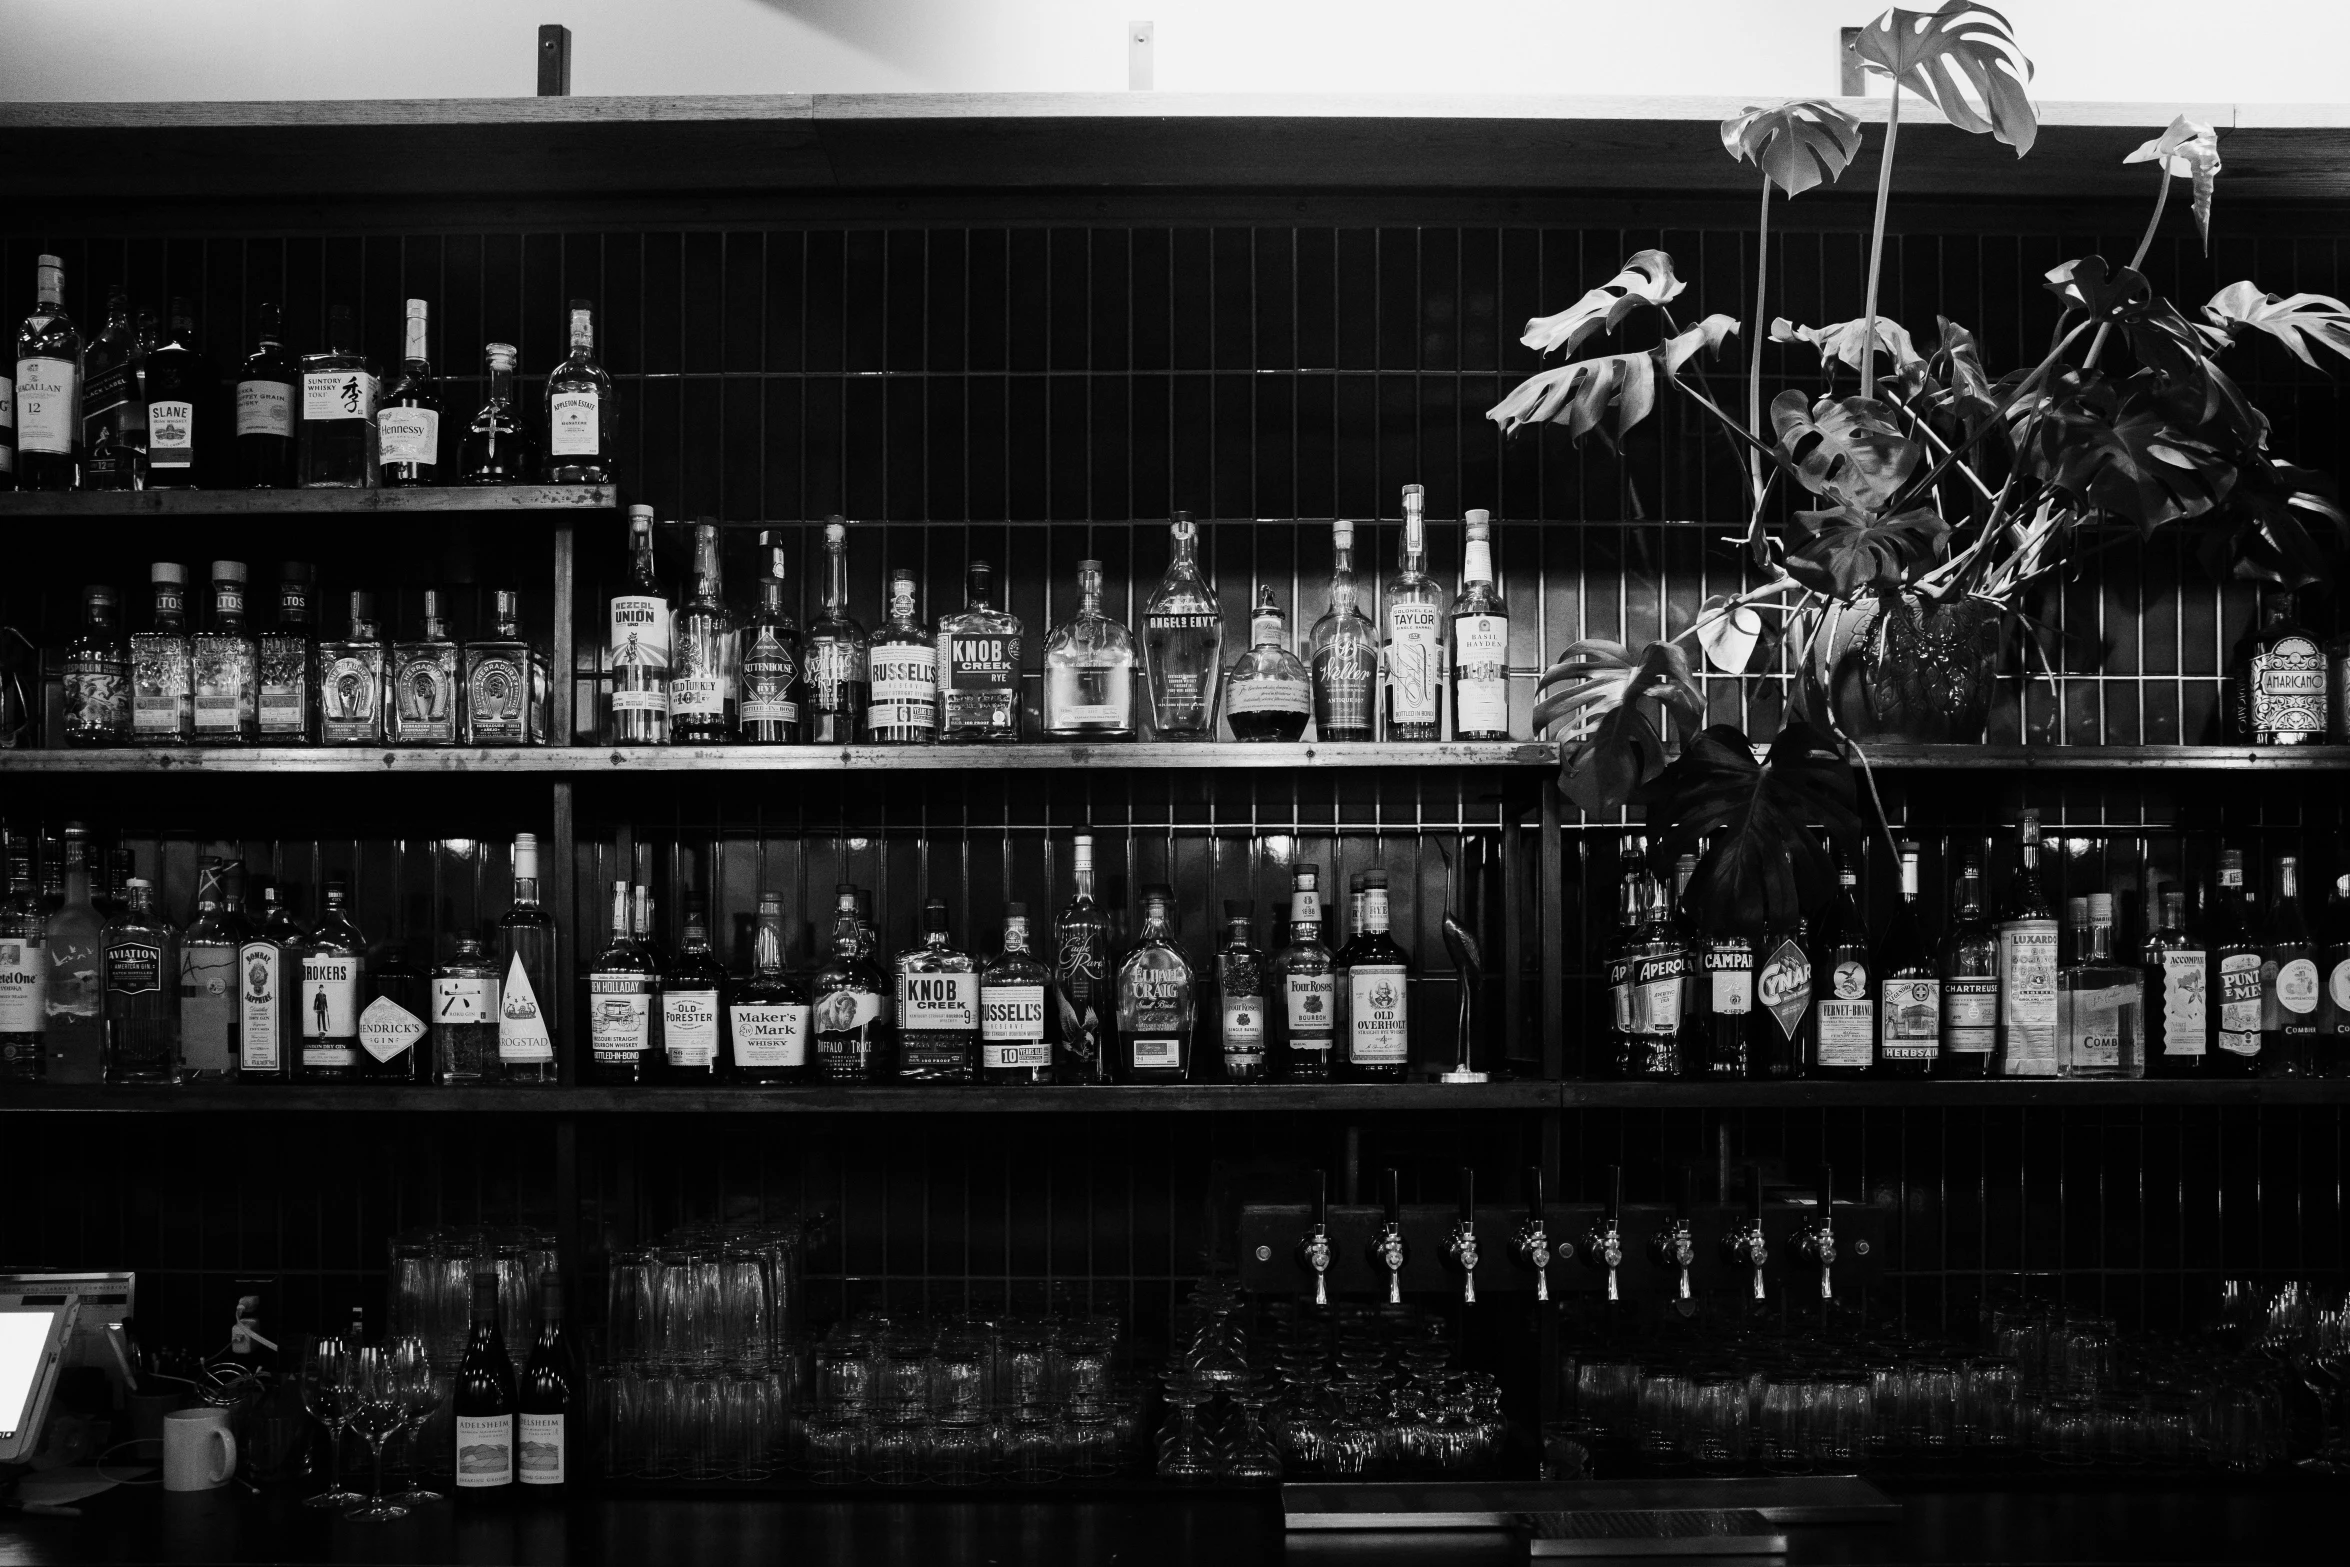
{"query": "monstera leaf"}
{"type": "Point", "coordinates": [1802, 143]}
{"type": "Point", "coordinates": [2189, 150]}
{"type": "Point", "coordinates": [2269, 514]}
{"type": "Point", "coordinates": [2175, 349]}
{"type": "Point", "coordinates": [2295, 320]}
{"type": "Point", "coordinates": [1647, 279]}
{"type": "Point", "coordinates": [1843, 339]}
{"type": "Point", "coordinates": [1845, 551]}
{"type": "Point", "coordinates": [1590, 702]}
{"type": "Point", "coordinates": [2127, 460]}
{"type": "Point", "coordinates": [1846, 448]}
{"type": "Point", "coordinates": [1766, 867]}
{"type": "Point", "coordinates": [1578, 395]}
{"type": "Point", "coordinates": [1928, 52]}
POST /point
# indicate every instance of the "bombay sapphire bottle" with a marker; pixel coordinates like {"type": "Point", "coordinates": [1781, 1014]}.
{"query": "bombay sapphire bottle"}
{"type": "Point", "coordinates": [1183, 642]}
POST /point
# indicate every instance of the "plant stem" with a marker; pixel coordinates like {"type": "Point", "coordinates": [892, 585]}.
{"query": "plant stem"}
{"type": "Point", "coordinates": [1868, 335]}
{"type": "Point", "coordinates": [1762, 268]}
{"type": "Point", "coordinates": [2145, 243]}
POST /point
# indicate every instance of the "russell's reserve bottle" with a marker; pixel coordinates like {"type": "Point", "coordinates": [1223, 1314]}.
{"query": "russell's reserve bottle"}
{"type": "Point", "coordinates": [902, 660]}
{"type": "Point", "coordinates": [1012, 1044]}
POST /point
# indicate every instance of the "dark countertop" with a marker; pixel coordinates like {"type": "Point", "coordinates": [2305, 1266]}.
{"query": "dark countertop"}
{"type": "Point", "coordinates": [2096, 1524]}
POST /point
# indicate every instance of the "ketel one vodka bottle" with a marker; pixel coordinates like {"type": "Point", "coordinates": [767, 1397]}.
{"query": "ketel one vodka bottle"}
{"type": "Point", "coordinates": [1378, 995]}
{"type": "Point", "coordinates": [1183, 642]}
{"type": "Point", "coordinates": [851, 1035]}
{"type": "Point", "coordinates": [979, 666]}
{"type": "Point", "coordinates": [1241, 996]}
{"type": "Point", "coordinates": [1155, 999]}
{"type": "Point", "coordinates": [621, 983]}
{"type": "Point", "coordinates": [938, 1006]}
{"type": "Point", "coordinates": [2027, 967]}
{"type": "Point", "coordinates": [638, 648]}
{"type": "Point", "coordinates": [1012, 1047]}
{"type": "Point", "coordinates": [1414, 634]}
{"type": "Point", "coordinates": [1309, 983]}
{"type": "Point", "coordinates": [2281, 687]}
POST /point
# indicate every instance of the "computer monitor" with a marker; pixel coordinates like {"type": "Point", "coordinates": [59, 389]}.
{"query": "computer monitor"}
{"type": "Point", "coordinates": [32, 1340]}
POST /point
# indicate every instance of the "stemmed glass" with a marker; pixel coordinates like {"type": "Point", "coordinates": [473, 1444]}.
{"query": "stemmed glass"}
{"type": "Point", "coordinates": [326, 1397]}
{"type": "Point", "coordinates": [420, 1399]}
{"type": "Point", "coordinates": [378, 1407]}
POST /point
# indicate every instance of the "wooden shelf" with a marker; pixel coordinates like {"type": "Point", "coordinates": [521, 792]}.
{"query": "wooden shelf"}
{"type": "Point", "coordinates": [2111, 758]}
{"type": "Point", "coordinates": [1934, 1093]}
{"type": "Point", "coordinates": [309, 503]}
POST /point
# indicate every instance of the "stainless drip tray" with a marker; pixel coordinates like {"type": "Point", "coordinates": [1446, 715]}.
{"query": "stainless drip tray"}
{"type": "Point", "coordinates": [1439, 1504]}
{"type": "Point", "coordinates": [1682, 1531]}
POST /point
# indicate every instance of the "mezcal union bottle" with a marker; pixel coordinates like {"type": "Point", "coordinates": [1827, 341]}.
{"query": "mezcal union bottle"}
{"type": "Point", "coordinates": [903, 664]}
{"type": "Point", "coordinates": [938, 1006]}
{"type": "Point", "coordinates": [339, 436]}
{"type": "Point", "coordinates": [1012, 1047]}
{"type": "Point", "coordinates": [1183, 642]}
{"type": "Point", "coordinates": [1089, 669]}
{"type": "Point", "coordinates": [1344, 651]}
{"type": "Point", "coordinates": [1270, 695]}
{"type": "Point", "coordinates": [1155, 999]}
{"type": "Point", "coordinates": [639, 643]}
{"type": "Point", "coordinates": [979, 666]}
{"type": "Point", "coordinates": [1414, 650]}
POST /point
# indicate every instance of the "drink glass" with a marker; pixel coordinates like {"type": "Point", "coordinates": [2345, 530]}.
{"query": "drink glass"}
{"type": "Point", "coordinates": [326, 1396]}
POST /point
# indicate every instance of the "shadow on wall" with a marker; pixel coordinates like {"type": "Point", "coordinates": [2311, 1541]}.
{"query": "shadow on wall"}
{"type": "Point", "coordinates": [939, 45]}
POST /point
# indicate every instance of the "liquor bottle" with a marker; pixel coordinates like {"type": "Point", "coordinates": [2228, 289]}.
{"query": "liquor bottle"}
{"type": "Point", "coordinates": [142, 1005]}
{"type": "Point", "coordinates": [2289, 986]}
{"type": "Point", "coordinates": [338, 440]}
{"type": "Point", "coordinates": [1783, 1035]}
{"type": "Point", "coordinates": [1725, 997]}
{"type": "Point", "coordinates": [770, 662]}
{"type": "Point", "coordinates": [225, 666]}
{"type": "Point", "coordinates": [1343, 651]}
{"type": "Point", "coordinates": [902, 661]}
{"type": "Point", "coordinates": [701, 676]}
{"type": "Point", "coordinates": [1270, 694]}
{"type": "Point", "coordinates": [1081, 949]}
{"type": "Point", "coordinates": [483, 1401]}
{"type": "Point", "coordinates": [979, 666]}
{"type": "Point", "coordinates": [182, 441]}
{"type": "Point", "coordinates": [408, 425]}
{"type": "Point", "coordinates": [640, 643]}
{"type": "Point", "coordinates": [2280, 682]}
{"type": "Point", "coordinates": [49, 388]}
{"type": "Point", "coordinates": [2027, 967]}
{"type": "Point", "coordinates": [620, 1003]}
{"type": "Point", "coordinates": [2329, 1052]}
{"type": "Point", "coordinates": [394, 1037]}
{"type": "Point", "coordinates": [1012, 1047]}
{"type": "Point", "coordinates": [97, 676]}
{"type": "Point", "coordinates": [77, 990]}
{"type": "Point", "coordinates": [937, 1006]}
{"type": "Point", "coordinates": [851, 1038]}
{"type": "Point", "coordinates": [114, 416]}
{"type": "Point", "coordinates": [1415, 640]}
{"type": "Point", "coordinates": [499, 447]}
{"type": "Point", "coordinates": [1689, 1048]}
{"type": "Point", "coordinates": [2098, 1002]}
{"type": "Point", "coordinates": [1089, 669]}
{"type": "Point", "coordinates": [581, 428]}
{"type": "Point", "coordinates": [1378, 995]}
{"type": "Point", "coordinates": [1845, 1033]}
{"type": "Point", "coordinates": [1309, 983]}
{"type": "Point", "coordinates": [1241, 996]}
{"type": "Point", "coordinates": [1183, 642]}
{"type": "Point", "coordinates": [121, 866]}
{"type": "Point", "coordinates": [334, 967]}
{"type": "Point", "coordinates": [549, 1395]}
{"type": "Point", "coordinates": [8, 423]}
{"type": "Point", "coordinates": [208, 991]}
{"type": "Point", "coordinates": [838, 683]}
{"type": "Point", "coordinates": [351, 680]}
{"type": "Point", "coordinates": [1909, 986]}
{"type": "Point", "coordinates": [267, 395]}
{"type": "Point", "coordinates": [502, 698]}
{"type": "Point", "coordinates": [529, 958]}
{"type": "Point", "coordinates": [424, 681]}
{"type": "Point", "coordinates": [1155, 999]}
{"type": "Point", "coordinates": [641, 929]}
{"type": "Point", "coordinates": [693, 1004]}
{"type": "Point", "coordinates": [24, 970]}
{"type": "Point", "coordinates": [2177, 1015]}
{"type": "Point", "coordinates": [768, 1019]}
{"type": "Point", "coordinates": [269, 994]}
{"type": "Point", "coordinates": [285, 709]}
{"type": "Point", "coordinates": [2235, 975]}
{"type": "Point", "coordinates": [1625, 1039]}
{"type": "Point", "coordinates": [1970, 979]}
{"type": "Point", "coordinates": [162, 677]}
{"type": "Point", "coordinates": [465, 1017]}
{"type": "Point", "coordinates": [1477, 641]}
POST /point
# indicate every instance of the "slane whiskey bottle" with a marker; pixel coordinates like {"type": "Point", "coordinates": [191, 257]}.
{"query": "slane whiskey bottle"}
{"type": "Point", "coordinates": [183, 441]}
{"type": "Point", "coordinates": [902, 707]}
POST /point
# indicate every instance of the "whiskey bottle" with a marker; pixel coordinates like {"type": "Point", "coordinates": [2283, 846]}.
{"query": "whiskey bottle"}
{"type": "Point", "coordinates": [2177, 1016]}
{"type": "Point", "coordinates": [769, 665]}
{"type": "Point", "coordinates": [1378, 995]}
{"type": "Point", "coordinates": [393, 1034]}
{"type": "Point", "coordinates": [114, 417]}
{"type": "Point", "coordinates": [2329, 1053]}
{"type": "Point", "coordinates": [285, 711]}
{"type": "Point", "coordinates": [979, 666]}
{"type": "Point", "coordinates": [937, 1006]}
{"type": "Point", "coordinates": [1343, 651]}
{"type": "Point", "coordinates": [903, 662]}
{"type": "Point", "coordinates": [1089, 669]}
{"type": "Point", "coordinates": [693, 1004]}
{"type": "Point", "coordinates": [8, 423]}
{"type": "Point", "coordinates": [465, 1017]}
{"type": "Point", "coordinates": [77, 992]}
{"type": "Point", "coordinates": [142, 1004]}
{"type": "Point", "coordinates": [1269, 695]}
{"type": "Point", "coordinates": [351, 680]}
{"type": "Point", "coordinates": [529, 958]}
{"type": "Point", "coordinates": [851, 1037]}
{"type": "Point", "coordinates": [838, 684]}
{"type": "Point", "coordinates": [701, 676]}
{"type": "Point", "coordinates": [225, 666]}
{"type": "Point", "coordinates": [1909, 993]}
{"type": "Point", "coordinates": [2289, 987]}
{"type": "Point", "coordinates": [1309, 983]}
{"type": "Point", "coordinates": [1478, 638]}
{"type": "Point", "coordinates": [2027, 968]}
{"type": "Point", "coordinates": [640, 643]}
{"type": "Point", "coordinates": [49, 388]}
{"type": "Point", "coordinates": [408, 425]}
{"type": "Point", "coordinates": [334, 967]}
{"type": "Point", "coordinates": [499, 447]}
{"type": "Point", "coordinates": [581, 427]}
{"type": "Point", "coordinates": [267, 395]}
{"type": "Point", "coordinates": [1012, 1047]}
{"type": "Point", "coordinates": [162, 674]}
{"type": "Point", "coordinates": [97, 676]}
{"type": "Point", "coordinates": [1414, 652]}
{"type": "Point", "coordinates": [424, 679]}
{"type": "Point", "coordinates": [338, 441]}
{"type": "Point", "coordinates": [1183, 642]}
{"type": "Point", "coordinates": [181, 420]}
{"type": "Point", "coordinates": [503, 699]}
{"type": "Point", "coordinates": [269, 994]}
{"type": "Point", "coordinates": [1785, 1029]}
{"type": "Point", "coordinates": [1155, 999]}
{"type": "Point", "coordinates": [2098, 1001]}
{"type": "Point", "coordinates": [208, 991]}
{"type": "Point", "coordinates": [2280, 685]}
{"type": "Point", "coordinates": [1081, 993]}
{"type": "Point", "coordinates": [24, 970]}
{"type": "Point", "coordinates": [1241, 996]}
{"type": "Point", "coordinates": [768, 1019]}
{"type": "Point", "coordinates": [620, 1003]}
{"type": "Point", "coordinates": [1845, 1037]}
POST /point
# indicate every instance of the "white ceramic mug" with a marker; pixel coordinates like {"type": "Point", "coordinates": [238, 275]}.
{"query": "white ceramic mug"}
{"type": "Point", "coordinates": [199, 1451]}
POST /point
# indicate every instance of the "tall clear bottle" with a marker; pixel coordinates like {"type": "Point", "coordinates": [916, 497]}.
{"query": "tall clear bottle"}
{"type": "Point", "coordinates": [979, 665]}
{"type": "Point", "coordinates": [97, 676]}
{"type": "Point", "coordinates": [1089, 669]}
{"type": "Point", "coordinates": [208, 987]}
{"type": "Point", "coordinates": [1155, 999]}
{"type": "Point", "coordinates": [1343, 652]}
{"type": "Point", "coordinates": [1478, 642]}
{"type": "Point", "coordinates": [408, 425]}
{"type": "Point", "coordinates": [499, 446]}
{"type": "Point", "coordinates": [702, 675]}
{"type": "Point", "coordinates": [1909, 986]}
{"type": "Point", "coordinates": [268, 411]}
{"type": "Point", "coordinates": [768, 1019]}
{"type": "Point", "coordinates": [2098, 1002]}
{"type": "Point", "coordinates": [903, 662]}
{"type": "Point", "coordinates": [77, 989]}
{"type": "Point", "coordinates": [48, 387]}
{"type": "Point", "coordinates": [334, 969]}
{"type": "Point", "coordinates": [114, 416]}
{"type": "Point", "coordinates": [1414, 631]}
{"type": "Point", "coordinates": [269, 994]}
{"type": "Point", "coordinates": [163, 710]}
{"type": "Point", "coordinates": [24, 970]}
{"type": "Point", "coordinates": [339, 389]}
{"type": "Point", "coordinates": [639, 643]}
{"type": "Point", "coordinates": [1309, 984]}
{"type": "Point", "coordinates": [352, 676]}
{"type": "Point", "coordinates": [529, 963]}
{"type": "Point", "coordinates": [2027, 966]}
{"type": "Point", "coordinates": [225, 666]}
{"type": "Point", "coordinates": [770, 661]}
{"type": "Point", "coordinates": [142, 996]}
{"type": "Point", "coordinates": [839, 685]}
{"type": "Point", "coordinates": [1241, 996]}
{"type": "Point", "coordinates": [2289, 985]}
{"type": "Point", "coordinates": [1081, 990]}
{"type": "Point", "coordinates": [1378, 995]}
{"type": "Point", "coordinates": [1183, 642]}
{"type": "Point", "coordinates": [581, 427]}
{"type": "Point", "coordinates": [1012, 1045]}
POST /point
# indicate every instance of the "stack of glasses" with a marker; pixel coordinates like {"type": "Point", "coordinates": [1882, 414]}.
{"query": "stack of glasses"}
{"type": "Point", "coordinates": [432, 1286]}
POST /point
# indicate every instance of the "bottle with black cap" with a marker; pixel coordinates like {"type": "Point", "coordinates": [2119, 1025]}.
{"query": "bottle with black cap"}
{"type": "Point", "coordinates": [1240, 991]}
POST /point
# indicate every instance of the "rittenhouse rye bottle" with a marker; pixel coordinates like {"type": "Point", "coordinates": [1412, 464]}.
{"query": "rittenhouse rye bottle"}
{"type": "Point", "coordinates": [2027, 967]}
{"type": "Point", "coordinates": [48, 388]}
{"type": "Point", "coordinates": [1414, 635]}
{"type": "Point", "coordinates": [1089, 669]}
{"type": "Point", "coordinates": [529, 953]}
{"type": "Point", "coordinates": [1241, 996]}
{"type": "Point", "coordinates": [408, 425]}
{"type": "Point", "coordinates": [979, 666]}
{"type": "Point", "coordinates": [639, 643]}
{"type": "Point", "coordinates": [1183, 642]}
{"type": "Point", "coordinates": [339, 437]}
{"type": "Point", "coordinates": [483, 1401]}
{"type": "Point", "coordinates": [1344, 651]}
{"type": "Point", "coordinates": [1479, 642]}
{"type": "Point", "coordinates": [581, 428]}
{"type": "Point", "coordinates": [851, 1036]}
{"type": "Point", "coordinates": [1909, 993]}
{"type": "Point", "coordinates": [902, 706]}
{"type": "Point", "coordinates": [770, 698]}
{"type": "Point", "coordinates": [2178, 992]}
{"type": "Point", "coordinates": [937, 1006]}
{"type": "Point", "coordinates": [1155, 999]}
{"type": "Point", "coordinates": [1378, 995]}
{"type": "Point", "coordinates": [1012, 1046]}
{"type": "Point", "coordinates": [1081, 987]}
{"type": "Point", "coordinates": [1270, 694]}
{"type": "Point", "coordinates": [768, 1019]}
{"type": "Point", "coordinates": [1309, 983]}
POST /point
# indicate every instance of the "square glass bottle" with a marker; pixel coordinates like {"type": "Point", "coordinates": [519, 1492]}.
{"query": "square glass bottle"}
{"type": "Point", "coordinates": [423, 709]}
{"type": "Point", "coordinates": [504, 704]}
{"type": "Point", "coordinates": [226, 665]}
{"type": "Point", "coordinates": [162, 682]}
{"type": "Point", "coordinates": [351, 680]}
{"type": "Point", "coordinates": [979, 666]}
{"type": "Point", "coordinates": [339, 388]}
{"type": "Point", "coordinates": [285, 707]}
{"type": "Point", "coordinates": [1089, 669]}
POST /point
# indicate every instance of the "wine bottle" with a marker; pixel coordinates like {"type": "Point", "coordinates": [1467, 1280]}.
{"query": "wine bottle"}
{"type": "Point", "coordinates": [547, 1396]}
{"type": "Point", "coordinates": [484, 1401]}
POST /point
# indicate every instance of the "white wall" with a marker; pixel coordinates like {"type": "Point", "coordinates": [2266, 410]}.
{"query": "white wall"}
{"type": "Point", "coordinates": [2161, 50]}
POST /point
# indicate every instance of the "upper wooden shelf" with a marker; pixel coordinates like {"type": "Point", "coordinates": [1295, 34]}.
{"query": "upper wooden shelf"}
{"type": "Point", "coordinates": [2111, 758]}
{"type": "Point", "coordinates": [932, 141]}
{"type": "Point", "coordinates": [309, 503]}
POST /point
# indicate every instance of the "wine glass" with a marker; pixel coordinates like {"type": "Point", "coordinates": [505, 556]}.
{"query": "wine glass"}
{"type": "Point", "coordinates": [326, 1390]}
{"type": "Point", "coordinates": [378, 1405]}
{"type": "Point", "coordinates": [420, 1397]}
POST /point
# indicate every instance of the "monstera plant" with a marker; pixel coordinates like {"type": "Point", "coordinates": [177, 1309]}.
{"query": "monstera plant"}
{"type": "Point", "coordinates": [1902, 516]}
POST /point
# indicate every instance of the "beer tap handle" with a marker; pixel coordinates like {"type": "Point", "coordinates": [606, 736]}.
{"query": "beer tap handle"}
{"type": "Point", "coordinates": [1388, 1251]}
{"type": "Point", "coordinates": [1464, 1237]}
{"type": "Point", "coordinates": [1313, 1249]}
{"type": "Point", "coordinates": [1533, 1239]}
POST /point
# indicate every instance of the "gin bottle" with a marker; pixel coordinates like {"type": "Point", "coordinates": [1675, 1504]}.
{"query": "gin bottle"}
{"type": "Point", "coordinates": [338, 442]}
{"type": "Point", "coordinates": [465, 1017]}
{"type": "Point", "coordinates": [268, 397]}
{"type": "Point", "coordinates": [979, 666]}
{"type": "Point", "coordinates": [408, 425]}
{"type": "Point", "coordinates": [225, 665]}
{"type": "Point", "coordinates": [1479, 642]}
{"type": "Point", "coordinates": [838, 682]}
{"type": "Point", "coordinates": [334, 967]}
{"type": "Point", "coordinates": [1081, 993]}
{"type": "Point", "coordinates": [529, 956]}
{"type": "Point", "coordinates": [701, 679]}
{"type": "Point", "coordinates": [1089, 669]}
{"type": "Point", "coordinates": [425, 682]}
{"type": "Point", "coordinates": [182, 425]}
{"type": "Point", "coordinates": [503, 700]}
{"type": "Point", "coordinates": [351, 680]}
{"type": "Point", "coordinates": [639, 643]}
{"type": "Point", "coordinates": [97, 676]}
{"type": "Point", "coordinates": [2099, 999]}
{"type": "Point", "coordinates": [1414, 632]}
{"type": "Point", "coordinates": [768, 668]}
{"type": "Point", "coordinates": [1270, 693]}
{"type": "Point", "coordinates": [620, 1003]}
{"type": "Point", "coordinates": [580, 423]}
{"type": "Point", "coordinates": [1012, 1047]}
{"type": "Point", "coordinates": [141, 968]}
{"type": "Point", "coordinates": [903, 661]}
{"type": "Point", "coordinates": [938, 1006]}
{"type": "Point", "coordinates": [393, 1029]}
{"type": "Point", "coordinates": [851, 1035]}
{"type": "Point", "coordinates": [499, 447]}
{"type": "Point", "coordinates": [114, 416]}
{"type": "Point", "coordinates": [162, 674]}
{"type": "Point", "coordinates": [269, 994]}
{"type": "Point", "coordinates": [24, 970]}
{"type": "Point", "coordinates": [1240, 996]}
{"type": "Point", "coordinates": [285, 709]}
{"type": "Point", "coordinates": [1183, 642]}
{"type": "Point", "coordinates": [768, 1019]}
{"type": "Point", "coordinates": [1344, 651]}
{"type": "Point", "coordinates": [49, 388]}
{"type": "Point", "coordinates": [1155, 1000]}
{"type": "Point", "coordinates": [1309, 983]}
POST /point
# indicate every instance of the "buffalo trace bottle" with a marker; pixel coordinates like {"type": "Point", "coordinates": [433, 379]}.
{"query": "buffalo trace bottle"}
{"type": "Point", "coordinates": [2280, 681]}
{"type": "Point", "coordinates": [768, 667]}
{"type": "Point", "coordinates": [851, 1036]}
{"type": "Point", "coordinates": [1846, 1008]}
{"type": "Point", "coordinates": [979, 665]}
{"type": "Point", "coordinates": [529, 949]}
{"type": "Point", "coordinates": [483, 1401]}
{"type": "Point", "coordinates": [334, 966]}
{"type": "Point", "coordinates": [1378, 994]}
{"type": "Point", "coordinates": [902, 662]}
{"type": "Point", "coordinates": [269, 994]}
{"type": "Point", "coordinates": [2289, 983]}
{"type": "Point", "coordinates": [1309, 983]}
{"type": "Point", "coordinates": [1183, 642]}
{"type": "Point", "coordinates": [1012, 1047]}
{"type": "Point", "coordinates": [639, 643]}
{"type": "Point", "coordinates": [1414, 651]}
{"type": "Point", "coordinates": [1155, 998]}
{"type": "Point", "coordinates": [767, 1019]}
{"type": "Point", "coordinates": [1909, 986]}
{"type": "Point", "coordinates": [2027, 967]}
{"type": "Point", "coordinates": [2235, 975]}
{"type": "Point", "coordinates": [693, 1004]}
{"type": "Point", "coordinates": [620, 1003]}
{"type": "Point", "coordinates": [937, 1006]}
{"type": "Point", "coordinates": [2178, 980]}
{"type": "Point", "coordinates": [1080, 968]}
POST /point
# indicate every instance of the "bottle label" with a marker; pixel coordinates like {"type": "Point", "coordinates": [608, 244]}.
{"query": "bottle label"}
{"type": "Point", "coordinates": [2289, 689]}
{"type": "Point", "coordinates": [1378, 1016]}
{"type": "Point", "coordinates": [1012, 1013]}
{"type": "Point", "coordinates": [1660, 986]}
{"type": "Point", "coordinates": [2239, 1003]}
{"type": "Point", "coordinates": [905, 688]}
{"type": "Point", "coordinates": [1157, 1052]}
{"type": "Point", "coordinates": [332, 395]}
{"type": "Point", "coordinates": [24, 986]}
{"type": "Point", "coordinates": [426, 687]}
{"type": "Point", "coordinates": [538, 1449]}
{"type": "Point", "coordinates": [485, 1450]}
{"type": "Point", "coordinates": [2100, 1019]}
{"type": "Point", "coordinates": [1970, 1015]}
{"type": "Point", "coordinates": [1413, 663]}
{"type": "Point", "coordinates": [7, 418]}
{"type": "Point", "coordinates": [1312, 1002]}
{"type": "Point", "coordinates": [134, 968]}
{"type": "Point", "coordinates": [1909, 1019]}
{"type": "Point", "coordinates": [265, 408]}
{"type": "Point", "coordinates": [640, 632]}
{"type": "Point", "coordinates": [1344, 673]}
{"type": "Point", "coordinates": [208, 1006]}
{"type": "Point", "coordinates": [1783, 986]}
{"type": "Point", "coordinates": [689, 1027]}
{"type": "Point", "coordinates": [2027, 997]}
{"type": "Point", "coordinates": [160, 702]}
{"type": "Point", "coordinates": [97, 696]}
{"type": "Point", "coordinates": [620, 1017]}
{"type": "Point", "coordinates": [1244, 1028]}
{"type": "Point", "coordinates": [847, 1011]}
{"type": "Point", "coordinates": [261, 979]}
{"type": "Point", "coordinates": [409, 435]}
{"type": "Point", "coordinates": [938, 1002]}
{"type": "Point", "coordinates": [388, 1029]}
{"type": "Point", "coordinates": [463, 1000]}
{"type": "Point", "coordinates": [347, 692]}
{"type": "Point", "coordinates": [1481, 685]}
{"type": "Point", "coordinates": [1846, 1020]}
{"type": "Point", "coordinates": [330, 998]}
{"type": "Point", "coordinates": [835, 669]}
{"type": "Point", "coordinates": [1729, 973]}
{"type": "Point", "coordinates": [770, 669]}
{"type": "Point", "coordinates": [700, 695]}
{"type": "Point", "coordinates": [522, 1025]}
{"type": "Point", "coordinates": [2338, 989]}
{"type": "Point", "coordinates": [1305, 906]}
{"type": "Point", "coordinates": [496, 699]}
{"type": "Point", "coordinates": [1268, 695]}
{"type": "Point", "coordinates": [978, 681]}
{"type": "Point", "coordinates": [171, 434]}
{"type": "Point", "coordinates": [2185, 991]}
{"type": "Point", "coordinates": [2297, 986]}
{"type": "Point", "coordinates": [48, 400]}
{"type": "Point", "coordinates": [574, 424]}
{"type": "Point", "coordinates": [769, 1033]}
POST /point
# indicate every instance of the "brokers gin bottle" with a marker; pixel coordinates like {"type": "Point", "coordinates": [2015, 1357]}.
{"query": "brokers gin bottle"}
{"type": "Point", "coordinates": [768, 667]}
{"type": "Point", "coordinates": [1845, 1043]}
{"type": "Point", "coordinates": [269, 994]}
{"type": "Point", "coordinates": [580, 424]}
{"type": "Point", "coordinates": [1909, 995]}
{"type": "Point", "coordinates": [1478, 642]}
{"type": "Point", "coordinates": [638, 646]}
{"type": "Point", "coordinates": [1183, 642]}
{"type": "Point", "coordinates": [1344, 651]}
{"type": "Point", "coordinates": [1089, 669]}
{"type": "Point", "coordinates": [1241, 996]}
{"type": "Point", "coordinates": [1155, 999]}
{"type": "Point", "coordinates": [1414, 634]}
{"type": "Point", "coordinates": [2289, 984]}
{"type": "Point", "coordinates": [979, 666]}
{"type": "Point", "coordinates": [620, 1003]}
{"type": "Point", "coordinates": [1270, 694]}
{"type": "Point", "coordinates": [268, 402]}
{"type": "Point", "coordinates": [1378, 995]}
{"type": "Point", "coordinates": [284, 709]}
{"type": "Point", "coordinates": [693, 1004]}
{"type": "Point", "coordinates": [97, 678]}
{"type": "Point", "coordinates": [2027, 967]}
{"type": "Point", "coordinates": [48, 387]}
{"type": "Point", "coordinates": [2281, 687]}
{"type": "Point", "coordinates": [334, 966]}
{"type": "Point", "coordinates": [851, 1036]}
{"type": "Point", "coordinates": [1081, 990]}
{"type": "Point", "coordinates": [408, 425]}
{"type": "Point", "coordinates": [839, 684]}
{"type": "Point", "coordinates": [528, 961]}
{"type": "Point", "coordinates": [351, 680]}
{"type": "Point", "coordinates": [339, 436]}
{"type": "Point", "coordinates": [423, 709]}
{"type": "Point", "coordinates": [902, 661]}
{"type": "Point", "coordinates": [937, 1006]}
{"type": "Point", "coordinates": [1309, 983]}
{"type": "Point", "coordinates": [1012, 1046]}
{"type": "Point", "coordinates": [182, 427]}
{"type": "Point", "coordinates": [702, 677]}
{"type": "Point", "coordinates": [767, 1021]}
{"type": "Point", "coordinates": [2178, 988]}
{"type": "Point", "coordinates": [163, 706]}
